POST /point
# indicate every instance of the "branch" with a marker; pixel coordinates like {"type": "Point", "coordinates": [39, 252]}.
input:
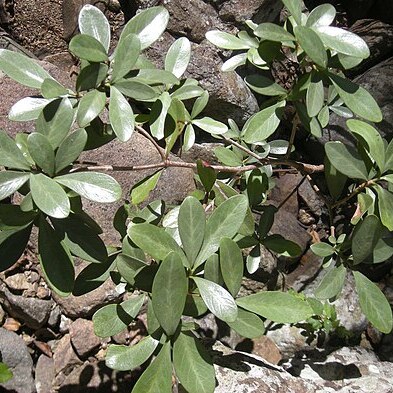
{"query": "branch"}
{"type": "Point", "coordinates": [356, 191]}
{"type": "Point", "coordinates": [295, 123]}
{"type": "Point", "coordinates": [160, 150]}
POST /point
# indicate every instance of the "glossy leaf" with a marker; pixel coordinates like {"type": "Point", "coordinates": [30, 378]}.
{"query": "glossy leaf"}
{"type": "Point", "coordinates": [263, 124]}
{"type": "Point", "coordinates": [158, 376]}
{"type": "Point", "coordinates": [193, 365]}
{"type": "Point", "coordinates": [148, 25]}
{"type": "Point", "coordinates": [295, 8]}
{"type": "Point", "coordinates": [98, 187]}
{"type": "Point", "coordinates": [88, 48]}
{"type": "Point", "coordinates": [225, 40]}
{"type": "Point", "coordinates": [312, 45]}
{"type": "Point", "coordinates": [273, 32]}
{"type": "Point", "coordinates": [332, 283]}
{"type": "Point", "coordinates": [217, 299]}
{"type": "Point", "coordinates": [191, 222]}
{"type": "Point", "coordinates": [12, 245]}
{"type": "Point", "coordinates": [233, 62]}
{"type": "Point", "coordinates": [51, 88]}
{"type": "Point", "coordinates": [70, 149]}
{"type": "Point", "coordinates": [136, 90]}
{"type": "Point", "coordinates": [282, 246]}
{"type": "Point", "coordinates": [357, 99]}
{"type": "Point", "coordinates": [227, 156]}
{"type": "Point", "coordinates": [211, 126]}
{"type": "Point", "coordinates": [11, 181]}
{"type": "Point", "coordinates": [121, 115]}
{"type": "Point", "coordinates": [322, 249]}
{"type": "Point", "coordinates": [225, 221]}
{"type": "Point", "coordinates": [170, 287]}
{"type": "Point", "coordinates": [141, 191]}
{"type": "Point", "coordinates": [91, 76]}
{"type": "Point", "coordinates": [315, 97]}
{"type": "Point", "coordinates": [323, 15]}
{"type": "Point", "coordinates": [49, 196]}
{"type": "Point", "coordinates": [265, 86]}
{"type": "Point", "coordinates": [42, 153]}
{"type": "Point", "coordinates": [178, 57]}
{"type": "Point", "coordinates": [281, 307]}
{"type": "Point", "coordinates": [372, 138]}
{"type": "Point", "coordinates": [55, 260]}
{"type": "Point", "coordinates": [27, 109]}
{"type": "Point", "coordinates": [343, 41]}
{"type": "Point", "coordinates": [156, 76]}
{"type": "Point", "coordinates": [126, 55]}
{"type": "Point", "coordinates": [124, 358]}
{"type": "Point", "coordinates": [346, 160]}
{"type": "Point", "coordinates": [200, 104]}
{"type": "Point", "coordinates": [232, 266]}
{"type": "Point", "coordinates": [248, 324]}
{"type": "Point", "coordinates": [22, 69]}
{"type": "Point", "coordinates": [189, 137]}
{"type": "Point", "coordinates": [385, 206]}
{"type": "Point", "coordinates": [158, 115]}
{"type": "Point", "coordinates": [114, 318]}
{"type": "Point", "coordinates": [90, 106]}
{"type": "Point", "coordinates": [373, 303]}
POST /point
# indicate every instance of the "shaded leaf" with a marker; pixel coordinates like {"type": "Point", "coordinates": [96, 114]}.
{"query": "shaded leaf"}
{"type": "Point", "coordinates": [136, 90]}
{"type": "Point", "coordinates": [322, 249]}
{"type": "Point", "coordinates": [12, 245]}
{"type": "Point", "coordinates": [141, 191]}
{"type": "Point", "coordinates": [91, 76]}
{"type": "Point", "coordinates": [248, 324]}
{"type": "Point", "coordinates": [282, 246]}
{"type": "Point", "coordinates": [332, 283]}
{"type": "Point", "coordinates": [385, 206]}
{"type": "Point", "coordinates": [13, 218]}
{"type": "Point", "coordinates": [265, 86]}
{"type": "Point", "coordinates": [232, 266]}
{"type": "Point", "coordinates": [315, 97]}
{"type": "Point", "coordinates": [128, 267]}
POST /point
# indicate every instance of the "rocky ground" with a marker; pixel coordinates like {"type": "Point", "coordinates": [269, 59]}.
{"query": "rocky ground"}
{"type": "Point", "coordinates": [49, 341]}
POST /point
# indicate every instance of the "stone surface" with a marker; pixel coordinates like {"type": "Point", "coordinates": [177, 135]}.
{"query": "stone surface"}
{"type": "Point", "coordinates": [64, 357]}
{"type": "Point", "coordinates": [32, 311]}
{"type": "Point", "coordinates": [83, 338]}
{"type": "Point", "coordinates": [16, 355]}
{"type": "Point", "coordinates": [18, 282]}
{"type": "Point", "coordinates": [44, 374]}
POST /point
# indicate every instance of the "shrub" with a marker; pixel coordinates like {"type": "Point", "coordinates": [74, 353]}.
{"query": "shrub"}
{"type": "Point", "coordinates": [195, 264]}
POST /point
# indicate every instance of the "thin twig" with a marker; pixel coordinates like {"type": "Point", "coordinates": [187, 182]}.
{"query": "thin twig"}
{"type": "Point", "coordinates": [356, 191]}
{"type": "Point", "coordinates": [160, 150]}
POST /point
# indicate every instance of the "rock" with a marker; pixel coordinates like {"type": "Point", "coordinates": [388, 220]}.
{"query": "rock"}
{"type": "Point", "coordinates": [64, 357]}
{"type": "Point", "coordinates": [284, 186]}
{"type": "Point", "coordinates": [313, 201]}
{"type": "Point", "coordinates": [69, 16]}
{"type": "Point", "coordinates": [32, 311]}
{"type": "Point", "coordinates": [54, 317]}
{"type": "Point", "coordinates": [15, 354]}
{"type": "Point", "coordinates": [18, 282]}
{"type": "Point", "coordinates": [2, 315]}
{"type": "Point", "coordinates": [83, 338]}
{"type": "Point", "coordinates": [358, 9]}
{"type": "Point", "coordinates": [44, 374]}
{"type": "Point", "coordinates": [266, 348]}
{"type": "Point", "coordinates": [257, 10]}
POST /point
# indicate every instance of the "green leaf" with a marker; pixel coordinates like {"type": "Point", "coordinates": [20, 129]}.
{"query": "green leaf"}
{"type": "Point", "coordinates": [389, 157]}
{"type": "Point", "coordinates": [225, 40]}
{"type": "Point", "coordinates": [323, 116]}
{"type": "Point", "coordinates": [332, 283]}
{"type": "Point", "coordinates": [257, 185]}
{"type": "Point", "coordinates": [178, 57]}
{"type": "Point", "coordinates": [357, 99]}
{"type": "Point", "coordinates": [82, 240]}
{"type": "Point", "coordinates": [126, 55]}
{"type": "Point", "coordinates": [315, 97]}
{"type": "Point", "coordinates": [365, 237]}
{"type": "Point", "coordinates": [158, 115]}
{"type": "Point", "coordinates": [212, 270]}
{"type": "Point", "coordinates": [346, 160]}
{"type": "Point", "coordinates": [281, 307]}
{"type": "Point", "coordinates": [93, 22]}
{"type": "Point", "coordinates": [128, 267]}
{"type": "Point", "coordinates": [200, 104]}
{"type": "Point", "coordinates": [41, 152]}
{"type": "Point", "coordinates": [141, 191]}
{"type": "Point", "coordinates": [153, 76]}
{"type": "Point", "coordinates": [227, 156]}
{"type": "Point", "coordinates": [225, 221]}
{"type": "Point", "coordinates": [56, 261]}
{"type": "Point", "coordinates": [49, 196]}
{"type": "Point", "coordinates": [51, 88]}
{"type": "Point", "coordinates": [217, 299]}
{"type": "Point", "coordinates": [12, 245]}
{"type": "Point", "coordinates": [191, 222]}
{"type": "Point", "coordinates": [148, 25]}
{"type": "Point", "coordinates": [193, 365]}
{"type": "Point", "coordinates": [27, 109]}
{"type": "Point", "coordinates": [312, 45]}
{"type": "Point", "coordinates": [385, 206]}
{"type": "Point", "coordinates": [13, 218]}
{"type": "Point", "coordinates": [158, 376]}
{"type": "Point", "coordinates": [136, 90]}
{"type": "Point", "coordinates": [55, 121]}
{"type": "Point", "coordinates": [11, 181]}
{"type": "Point", "coordinates": [232, 266]}
{"type": "Point", "coordinates": [90, 106]}
{"type": "Point", "coordinates": [266, 221]}
{"type": "Point", "coordinates": [372, 138]}
{"type": "Point", "coordinates": [233, 62]}
{"type": "Point", "coordinates": [124, 358]}
{"type": "Point", "coordinates": [322, 249]}
{"type": "Point", "coordinates": [121, 115]}
{"type": "Point", "coordinates": [88, 48]}
{"type": "Point", "coordinates": [5, 373]}
{"type": "Point", "coordinates": [373, 303]}
{"type": "Point", "coordinates": [170, 287]}
{"type": "Point", "coordinates": [91, 76]}
{"type": "Point", "coordinates": [323, 15]}
{"type": "Point", "coordinates": [211, 126]}
{"type": "Point", "coordinates": [10, 155]}
{"type": "Point", "coordinates": [70, 149]}
{"type": "Point", "coordinates": [187, 91]}
{"type": "Point", "coordinates": [114, 318]}
{"type": "Point", "coordinates": [295, 8]}
{"type": "Point", "coordinates": [22, 69]}
{"type": "Point", "coordinates": [188, 138]}
{"type": "Point", "coordinates": [335, 180]}
{"type": "Point", "coordinates": [206, 174]}
{"type": "Point", "coordinates": [265, 86]}
{"type": "Point", "coordinates": [343, 41]}
{"type": "Point", "coordinates": [98, 187]}
{"type": "Point", "coordinates": [153, 240]}
{"type": "Point", "coordinates": [383, 250]}
{"type": "Point", "coordinates": [247, 324]}
{"type": "Point", "coordinates": [282, 246]}
{"type": "Point", "coordinates": [263, 124]}
{"type": "Point", "coordinates": [272, 32]}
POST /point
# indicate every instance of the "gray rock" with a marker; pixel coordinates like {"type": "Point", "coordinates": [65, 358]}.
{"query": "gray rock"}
{"type": "Point", "coordinates": [44, 374]}
{"type": "Point", "coordinates": [83, 338]}
{"type": "Point", "coordinates": [18, 282]}
{"type": "Point", "coordinates": [32, 311]}
{"type": "Point", "coordinates": [15, 354]}
{"type": "Point", "coordinates": [54, 317]}
{"type": "Point", "coordinates": [64, 357]}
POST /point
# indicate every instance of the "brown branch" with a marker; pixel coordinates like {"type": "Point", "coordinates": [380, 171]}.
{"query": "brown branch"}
{"type": "Point", "coordinates": [356, 191]}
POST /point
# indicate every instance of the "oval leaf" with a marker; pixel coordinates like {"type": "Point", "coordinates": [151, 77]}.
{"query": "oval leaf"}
{"type": "Point", "coordinates": [265, 86]}
{"type": "Point", "coordinates": [312, 45]}
{"type": "Point", "coordinates": [273, 32]}
{"type": "Point", "coordinates": [10, 182]}
{"type": "Point", "coordinates": [41, 152]}
{"type": "Point", "coordinates": [226, 41]}
{"type": "Point", "coordinates": [27, 108]}
{"type": "Point", "coordinates": [126, 55]}
{"type": "Point", "coordinates": [385, 206]}
{"type": "Point", "coordinates": [323, 15]}
{"type": "Point", "coordinates": [211, 126]}
{"type": "Point", "coordinates": [88, 48]}
{"type": "Point", "coordinates": [10, 154]}
{"type": "Point", "coordinates": [178, 57]}
{"type": "Point", "coordinates": [248, 324]}
{"type": "Point", "coordinates": [90, 106]}
{"type": "Point", "coordinates": [332, 283]}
